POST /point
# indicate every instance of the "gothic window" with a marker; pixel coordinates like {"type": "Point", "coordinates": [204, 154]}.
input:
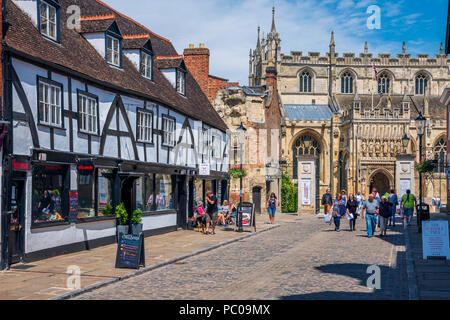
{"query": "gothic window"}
{"type": "Point", "coordinates": [305, 145]}
{"type": "Point", "coordinates": [384, 83]}
{"type": "Point", "coordinates": [440, 151]}
{"type": "Point", "coordinates": [305, 82]}
{"type": "Point", "coordinates": [421, 83]}
{"type": "Point", "coordinates": [347, 83]}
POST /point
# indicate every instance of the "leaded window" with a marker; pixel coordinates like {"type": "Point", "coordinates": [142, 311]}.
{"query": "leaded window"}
{"type": "Point", "coordinates": [384, 83]}
{"type": "Point", "coordinates": [146, 65]}
{"type": "Point", "coordinates": [168, 131]}
{"type": "Point", "coordinates": [113, 50]}
{"type": "Point", "coordinates": [347, 83]}
{"type": "Point", "coordinates": [440, 151]}
{"type": "Point", "coordinates": [421, 84]}
{"type": "Point", "coordinates": [305, 82]}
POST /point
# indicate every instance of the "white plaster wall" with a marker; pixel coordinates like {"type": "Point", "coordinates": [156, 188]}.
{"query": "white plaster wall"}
{"type": "Point", "coordinates": [159, 221]}
{"type": "Point", "coordinates": [98, 41]}
{"type": "Point", "coordinates": [170, 74]}
{"type": "Point", "coordinates": [29, 7]}
{"type": "Point", "coordinates": [134, 56]}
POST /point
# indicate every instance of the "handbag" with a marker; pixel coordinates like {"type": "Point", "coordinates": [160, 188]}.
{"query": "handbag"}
{"type": "Point", "coordinates": [350, 216]}
{"type": "Point", "coordinates": [335, 213]}
{"type": "Point", "coordinates": [327, 218]}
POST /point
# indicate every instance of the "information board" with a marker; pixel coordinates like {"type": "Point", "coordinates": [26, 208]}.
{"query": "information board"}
{"type": "Point", "coordinates": [73, 206]}
{"type": "Point", "coordinates": [247, 215]}
{"type": "Point", "coordinates": [435, 239]}
{"type": "Point", "coordinates": [130, 251]}
{"type": "Point", "coordinates": [306, 192]}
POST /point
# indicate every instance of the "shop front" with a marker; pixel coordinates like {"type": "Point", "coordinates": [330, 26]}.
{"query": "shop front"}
{"type": "Point", "coordinates": [217, 183]}
{"type": "Point", "coordinates": [62, 203]}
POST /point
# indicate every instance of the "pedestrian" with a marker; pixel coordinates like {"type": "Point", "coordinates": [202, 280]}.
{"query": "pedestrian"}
{"type": "Point", "coordinates": [376, 195]}
{"type": "Point", "coordinates": [272, 204]}
{"type": "Point", "coordinates": [352, 209]}
{"type": "Point", "coordinates": [384, 214]}
{"type": "Point", "coordinates": [369, 212]}
{"type": "Point", "coordinates": [211, 212]}
{"type": "Point", "coordinates": [344, 197]}
{"type": "Point", "coordinates": [327, 201]}
{"type": "Point", "coordinates": [360, 199]}
{"type": "Point", "coordinates": [408, 203]}
{"type": "Point", "coordinates": [393, 199]}
{"type": "Point", "coordinates": [338, 211]}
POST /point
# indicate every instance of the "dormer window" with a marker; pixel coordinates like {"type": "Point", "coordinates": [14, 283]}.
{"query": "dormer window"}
{"type": "Point", "coordinates": [48, 20]}
{"type": "Point", "coordinates": [113, 50]}
{"type": "Point", "coordinates": [146, 65]}
{"type": "Point", "coordinates": [181, 82]}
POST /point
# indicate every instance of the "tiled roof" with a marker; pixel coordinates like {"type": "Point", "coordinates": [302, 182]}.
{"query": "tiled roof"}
{"type": "Point", "coordinates": [75, 53]}
{"type": "Point", "coordinates": [169, 62]}
{"type": "Point", "coordinates": [129, 43]}
{"type": "Point", "coordinates": [308, 112]}
{"type": "Point", "coordinates": [92, 26]}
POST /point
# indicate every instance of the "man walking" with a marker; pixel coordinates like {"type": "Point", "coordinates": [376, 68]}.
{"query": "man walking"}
{"type": "Point", "coordinates": [393, 200]}
{"type": "Point", "coordinates": [327, 201]}
{"type": "Point", "coordinates": [370, 212]}
{"type": "Point", "coordinates": [211, 212]}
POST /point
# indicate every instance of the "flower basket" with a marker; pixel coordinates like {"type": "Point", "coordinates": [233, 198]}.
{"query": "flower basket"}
{"type": "Point", "coordinates": [236, 172]}
{"type": "Point", "coordinates": [425, 167]}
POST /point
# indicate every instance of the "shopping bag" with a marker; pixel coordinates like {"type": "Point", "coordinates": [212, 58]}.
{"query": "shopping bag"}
{"type": "Point", "coordinates": [402, 213]}
{"type": "Point", "coordinates": [327, 218]}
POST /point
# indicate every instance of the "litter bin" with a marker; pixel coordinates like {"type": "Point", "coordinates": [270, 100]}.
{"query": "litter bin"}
{"type": "Point", "coordinates": [423, 214]}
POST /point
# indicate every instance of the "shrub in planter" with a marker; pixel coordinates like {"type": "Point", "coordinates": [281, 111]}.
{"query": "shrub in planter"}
{"type": "Point", "coordinates": [136, 220]}
{"type": "Point", "coordinates": [107, 211]}
{"type": "Point", "coordinates": [122, 219]}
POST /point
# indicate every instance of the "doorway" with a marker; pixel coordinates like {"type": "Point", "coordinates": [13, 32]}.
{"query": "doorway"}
{"type": "Point", "coordinates": [380, 182]}
{"type": "Point", "coordinates": [257, 199]}
{"type": "Point", "coordinates": [128, 195]}
{"type": "Point", "coordinates": [181, 202]}
{"type": "Point", "coordinates": [16, 224]}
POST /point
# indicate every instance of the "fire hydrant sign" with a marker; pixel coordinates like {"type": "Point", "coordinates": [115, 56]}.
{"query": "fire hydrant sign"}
{"type": "Point", "coordinates": [435, 239]}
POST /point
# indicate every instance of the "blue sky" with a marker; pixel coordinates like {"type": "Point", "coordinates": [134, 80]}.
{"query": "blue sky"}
{"type": "Point", "coordinates": [229, 27]}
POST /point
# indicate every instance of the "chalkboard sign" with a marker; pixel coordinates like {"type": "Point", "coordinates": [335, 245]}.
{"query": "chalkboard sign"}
{"type": "Point", "coordinates": [248, 218]}
{"type": "Point", "coordinates": [130, 251]}
{"type": "Point", "coordinates": [73, 206]}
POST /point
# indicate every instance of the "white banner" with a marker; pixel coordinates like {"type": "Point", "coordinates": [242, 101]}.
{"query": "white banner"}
{"type": "Point", "coordinates": [306, 192]}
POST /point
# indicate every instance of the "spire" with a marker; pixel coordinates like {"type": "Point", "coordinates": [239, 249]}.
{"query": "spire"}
{"type": "Point", "coordinates": [441, 50]}
{"type": "Point", "coordinates": [404, 48]}
{"type": "Point", "coordinates": [366, 48]}
{"type": "Point", "coordinates": [332, 44]}
{"type": "Point", "coordinates": [258, 44]}
{"type": "Point", "coordinates": [273, 29]}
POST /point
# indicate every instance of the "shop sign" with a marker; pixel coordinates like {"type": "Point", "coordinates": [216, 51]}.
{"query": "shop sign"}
{"type": "Point", "coordinates": [130, 251]}
{"type": "Point", "coordinates": [435, 239]}
{"type": "Point", "coordinates": [85, 167]}
{"type": "Point", "coordinates": [21, 165]}
{"type": "Point", "coordinates": [204, 170]}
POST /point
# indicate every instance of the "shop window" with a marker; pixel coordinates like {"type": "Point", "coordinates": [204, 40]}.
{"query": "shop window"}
{"type": "Point", "coordinates": [86, 197]}
{"type": "Point", "coordinates": [140, 194]}
{"type": "Point", "coordinates": [50, 199]}
{"type": "Point", "coordinates": [105, 193]}
{"type": "Point", "coordinates": [158, 192]}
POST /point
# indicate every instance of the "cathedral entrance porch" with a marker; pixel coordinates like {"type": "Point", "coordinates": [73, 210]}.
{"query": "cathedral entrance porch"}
{"type": "Point", "coordinates": [382, 182]}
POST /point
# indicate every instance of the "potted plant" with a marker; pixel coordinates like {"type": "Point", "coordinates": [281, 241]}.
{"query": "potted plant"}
{"type": "Point", "coordinates": [136, 222]}
{"type": "Point", "coordinates": [122, 220]}
{"type": "Point", "coordinates": [107, 211]}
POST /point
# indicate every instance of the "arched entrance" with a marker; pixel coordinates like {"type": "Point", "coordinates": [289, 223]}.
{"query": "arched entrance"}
{"type": "Point", "coordinates": [256, 195]}
{"type": "Point", "coordinates": [303, 146]}
{"type": "Point", "coordinates": [382, 182]}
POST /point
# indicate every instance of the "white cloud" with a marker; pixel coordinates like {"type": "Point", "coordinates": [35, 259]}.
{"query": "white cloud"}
{"type": "Point", "coordinates": [229, 28]}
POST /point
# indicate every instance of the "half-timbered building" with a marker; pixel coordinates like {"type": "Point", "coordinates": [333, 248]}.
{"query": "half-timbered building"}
{"type": "Point", "coordinates": [101, 111]}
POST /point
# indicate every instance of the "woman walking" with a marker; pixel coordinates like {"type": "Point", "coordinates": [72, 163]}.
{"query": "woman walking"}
{"type": "Point", "coordinates": [352, 208]}
{"type": "Point", "coordinates": [272, 204]}
{"type": "Point", "coordinates": [338, 211]}
{"type": "Point", "coordinates": [385, 213]}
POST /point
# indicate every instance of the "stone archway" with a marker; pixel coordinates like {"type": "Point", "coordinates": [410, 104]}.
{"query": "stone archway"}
{"type": "Point", "coordinates": [382, 181]}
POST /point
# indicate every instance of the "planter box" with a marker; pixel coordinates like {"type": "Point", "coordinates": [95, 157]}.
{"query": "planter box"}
{"type": "Point", "coordinates": [136, 229]}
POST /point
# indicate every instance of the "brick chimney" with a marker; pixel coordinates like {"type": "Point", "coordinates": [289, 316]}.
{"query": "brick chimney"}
{"type": "Point", "coordinates": [197, 61]}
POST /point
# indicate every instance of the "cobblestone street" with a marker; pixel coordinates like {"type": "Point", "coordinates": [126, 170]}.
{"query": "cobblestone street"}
{"type": "Point", "coordinates": [302, 259]}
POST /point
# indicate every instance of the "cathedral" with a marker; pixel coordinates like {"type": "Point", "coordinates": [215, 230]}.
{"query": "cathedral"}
{"type": "Point", "coordinates": [350, 120]}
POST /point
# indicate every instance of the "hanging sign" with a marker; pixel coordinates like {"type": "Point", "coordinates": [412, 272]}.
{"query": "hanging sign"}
{"type": "Point", "coordinates": [204, 170]}
{"type": "Point", "coordinates": [435, 239]}
{"type": "Point", "coordinates": [130, 251]}
{"type": "Point", "coordinates": [85, 167]}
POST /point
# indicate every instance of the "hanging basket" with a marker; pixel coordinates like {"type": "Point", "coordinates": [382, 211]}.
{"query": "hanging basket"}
{"type": "Point", "coordinates": [425, 167]}
{"type": "Point", "coordinates": [236, 172]}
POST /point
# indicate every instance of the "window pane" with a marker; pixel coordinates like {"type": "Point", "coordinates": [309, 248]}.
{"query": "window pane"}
{"type": "Point", "coordinates": [163, 192]}
{"type": "Point", "coordinates": [86, 197]}
{"type": "Point", "coordinates": [50, 202]}
{"type": "Point", "coordinates": [149, 193]}
{"type": "Point", "coordinates": [105, 178]}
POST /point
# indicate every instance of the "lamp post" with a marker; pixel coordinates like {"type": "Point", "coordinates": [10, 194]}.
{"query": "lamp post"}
{"type": "Point", "coordinates": [420, 122]}
{"type": "Point", "coordinates": [241, 130]}
{"type": "Point", "coordinates": [405, 143]}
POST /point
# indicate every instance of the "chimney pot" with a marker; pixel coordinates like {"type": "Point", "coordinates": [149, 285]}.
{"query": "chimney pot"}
{"type": "Point", "coordinates": [202, 45]}
{"type": "Point", "coordinates": [191, 46]}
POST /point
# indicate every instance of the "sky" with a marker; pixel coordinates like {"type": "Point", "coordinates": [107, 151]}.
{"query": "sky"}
{"type": "Point", "coordinates": [229, 27]}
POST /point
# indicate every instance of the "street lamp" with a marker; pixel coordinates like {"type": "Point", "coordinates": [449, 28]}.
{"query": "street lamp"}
{"type": "Point", "coordinates": [241, 131]}
{"type": "Point", "coordinates": [405, 142]}
{"type": "Point", "coordinates": [420, 122]}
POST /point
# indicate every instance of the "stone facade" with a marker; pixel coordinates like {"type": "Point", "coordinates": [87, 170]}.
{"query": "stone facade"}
{"type": "Point", "coordinates": [355, 121]}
